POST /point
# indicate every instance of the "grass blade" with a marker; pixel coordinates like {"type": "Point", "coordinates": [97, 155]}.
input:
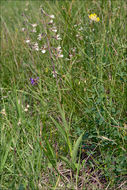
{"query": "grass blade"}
{"type": "Point", "coordinates": [61, 130]}
{"type": "Point", "coordinates": [76, 147]}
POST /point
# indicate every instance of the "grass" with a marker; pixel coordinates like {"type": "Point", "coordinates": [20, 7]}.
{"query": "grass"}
{"type": "Point", "coordinates": [68, 130]}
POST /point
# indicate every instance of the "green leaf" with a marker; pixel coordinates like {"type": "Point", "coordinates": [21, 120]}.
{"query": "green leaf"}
{"type": "Point", "coordinates": [70, 164]}
{"type": "Point", "coordinates": [4, 158]}
{"type": "Point", "coordinates": [63, 118]}
{"type": "Point", "coordinates": [61, 130]}
{"type": "Point", "coordinates": [50, 152]}
{"type": "Point", "coordinates": [76, 147]}
{"type": "Point", "coordinates": [65, 135]}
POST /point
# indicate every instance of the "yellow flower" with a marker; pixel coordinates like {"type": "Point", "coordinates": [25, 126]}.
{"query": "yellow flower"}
{"type": "Point", "coordinates": [46, 70]}
{"type": "Point", "coordinates": [94, 17]}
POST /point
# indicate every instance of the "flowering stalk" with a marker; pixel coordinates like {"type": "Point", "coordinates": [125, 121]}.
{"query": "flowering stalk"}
{"type": "Point", "coordinates": [49, 49]}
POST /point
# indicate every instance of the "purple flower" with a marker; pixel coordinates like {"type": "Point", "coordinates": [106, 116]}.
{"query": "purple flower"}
{"type": "Point", "coordinates": [34, 81]}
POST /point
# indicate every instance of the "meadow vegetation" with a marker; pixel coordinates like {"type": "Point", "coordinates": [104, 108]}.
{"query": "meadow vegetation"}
{"type": "Point", "coordinates": [63, 113]}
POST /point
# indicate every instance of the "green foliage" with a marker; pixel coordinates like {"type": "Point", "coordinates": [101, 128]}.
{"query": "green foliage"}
{"type": "Point", "coordinates": [70, 127]}
{"type": "Point", "coordinates": [64, 131]}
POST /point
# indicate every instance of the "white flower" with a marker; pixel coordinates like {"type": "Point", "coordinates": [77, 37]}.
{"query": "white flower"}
{"type": "Point", "coordinates": [34, 30]}
{"type": "Point", "coordinates": [67, 59]}
{"type": "Point", "coordinates": [43, 51]}
{"type": "Point", "coordinates": [73, 49]}
{"type": "Point", "coordinates": [54, 74]}
{"type": "Point", "coordinates": [36, 44]}
{"type": "Point", "coordinates": [80, 28]}
{"type": "Point", "coordinates": [23, 29]}
{"type": "Point", "coordinates": [19, 122]}
{"type": "Point", "coordinates": [52, 16]}
{"type": "Point", "coordinates": [59, 55]}
{"type": "Point", "coordinates": [27, 41]}
{"type": "Point", "coordinates": [54, 30]}
{"type": "Point", "coordinates": [26, 109]}
{"type": "Point", "coordinates": [51, 21]}
{"type": "Point", "coordinates": [58, 48]}
{"type": "Point", "coordinates": [58, 37]}
{"type": "Point", "coordinates": [37, 48]}
{"type": "Point", "coordinates": [34, 25]}
{"type": "Point", "coordinates": [39, 36]}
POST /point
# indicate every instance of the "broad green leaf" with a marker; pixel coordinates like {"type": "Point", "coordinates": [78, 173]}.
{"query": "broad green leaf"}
{"type": "Point", "coordinates": [61, 130]}
{"type": "Point", "coordinates": [76, 147]}
{"type": "Point", "coordinates": [63, 118]}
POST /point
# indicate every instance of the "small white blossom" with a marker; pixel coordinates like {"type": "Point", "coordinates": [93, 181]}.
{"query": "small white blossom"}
{"type": "Point", "coordinates": [19, 122]}
{"type": "Point", "coordinates": [80, 28]}
{"type": "Point", "coordinates": [67, 59]}
{"type": "Point", "coordinates": [58, 37]}
{"type": "Point", "coordinates": [39, 36]}
{"type": "Point", "coordinates": [23, 29]}
{"type": "Point", "coordinates": [34, 25]}
{"type": "Point", "coordinates": [27, 41]}
{"type": "Point", "coordinates": [54, 30]}
{"type": "Point", "coordinates": [43, 51]}
{"type": "Point", "coordinates": [73, 49]}
{"type": "Point", "coordinates": [58, 48]}
{"type": "Point", "coordinates": [54, 74]}
{"type": "Point", "coordinates": [60, 55]}
{"type": "Point", "coordinates": [26, 109]}
{"type": "Point", "coordinates": [70, 55]}
{"type": "Point", "coordinates": [36, 44]}
{"type": "Point", "coordinates": [37, 48]}
{"type": "Point", "coordinates": [52, 16]}
{"type": "Point", "coordinates": [50, 22]}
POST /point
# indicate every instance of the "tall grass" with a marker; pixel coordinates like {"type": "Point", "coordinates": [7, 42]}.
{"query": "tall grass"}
{"type": "Point", "coordinates": [63, 110]}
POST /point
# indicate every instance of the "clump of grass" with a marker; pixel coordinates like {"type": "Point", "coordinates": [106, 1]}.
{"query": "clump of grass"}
{"type": "Point", "coordinates": [63, 95]}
